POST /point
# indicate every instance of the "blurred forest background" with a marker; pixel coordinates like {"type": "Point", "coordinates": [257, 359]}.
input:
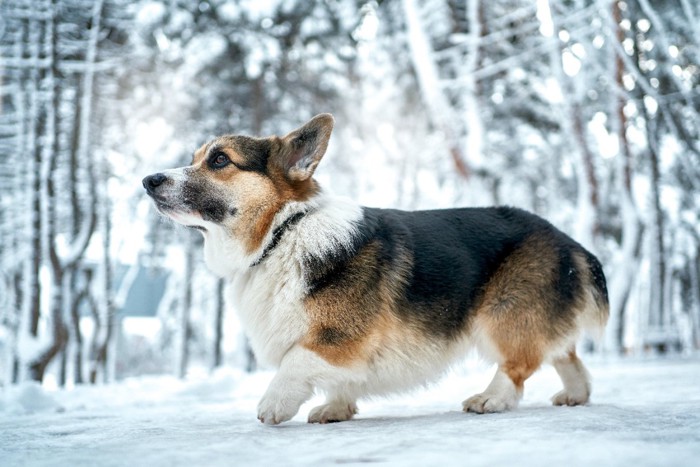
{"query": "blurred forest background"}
{"type": "Point", "coordinates": [586, 112]}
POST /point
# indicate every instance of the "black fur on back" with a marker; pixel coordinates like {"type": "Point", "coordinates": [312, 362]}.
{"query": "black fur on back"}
{"type": "Point", "coordinates": [453, 255]}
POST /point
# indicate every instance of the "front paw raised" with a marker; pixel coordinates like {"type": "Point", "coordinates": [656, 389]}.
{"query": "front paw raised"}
{"type": "Point", "coordinates": [273, 409]}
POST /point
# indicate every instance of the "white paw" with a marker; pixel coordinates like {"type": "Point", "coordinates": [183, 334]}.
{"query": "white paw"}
{"type": "Point", "coordinates": [333, 412]}
{"type": "Point", "coordinates": [274, 409]}
{"type": "Point", "coordinates": [565, 397]}
{"type": "Point", "coordinates": [489, 403]}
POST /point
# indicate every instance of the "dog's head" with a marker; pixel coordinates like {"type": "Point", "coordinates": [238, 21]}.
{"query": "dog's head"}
{"type": "Point", "coordinates": [236, 184]}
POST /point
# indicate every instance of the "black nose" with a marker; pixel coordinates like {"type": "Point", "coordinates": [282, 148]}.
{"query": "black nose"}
{"type": "Point", "coordinates": [152, 182]}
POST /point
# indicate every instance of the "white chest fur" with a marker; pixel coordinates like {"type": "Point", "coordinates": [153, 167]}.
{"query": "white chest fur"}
{"type": "Point", "coordinates": [268, 297]}
{"type": "Point", "coordinates": [269, 304]}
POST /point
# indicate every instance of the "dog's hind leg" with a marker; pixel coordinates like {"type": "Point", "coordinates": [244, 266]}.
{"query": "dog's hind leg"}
{"type": "Point", "coordinates": [505, 390]}
{"type": "Point", "coordinates": [577, 385]}
{"type": "Point", "coordinates": [517, 344]}
{"type": "Point", "coordinates": [336, 409]}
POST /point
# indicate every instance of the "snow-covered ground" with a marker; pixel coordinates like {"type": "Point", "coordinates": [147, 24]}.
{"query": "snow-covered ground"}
{"type": "Point", "coordinates": [643, 413]}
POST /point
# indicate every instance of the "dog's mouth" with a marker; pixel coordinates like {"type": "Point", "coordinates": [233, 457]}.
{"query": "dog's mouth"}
{"type": "Point", "coordinates": [170, 209]}
{"type": "Point", "coordinates": [164, 207]}
{"type": "Point", "coordinates": [162, 203]}
{"type": "Point", "coordinates": [177, 214]}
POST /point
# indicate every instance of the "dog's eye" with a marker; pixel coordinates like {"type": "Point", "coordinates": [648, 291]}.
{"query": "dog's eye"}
{"type": "Point", "coordinates": [219, 160]}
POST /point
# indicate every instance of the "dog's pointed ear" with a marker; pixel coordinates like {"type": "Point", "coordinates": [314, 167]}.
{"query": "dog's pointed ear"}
{"type": "Point", "coordinates": [303, 148]}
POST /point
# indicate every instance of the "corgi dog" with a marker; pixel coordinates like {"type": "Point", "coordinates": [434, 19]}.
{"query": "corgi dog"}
{"type": "Point", "coordinates": [356, 301]}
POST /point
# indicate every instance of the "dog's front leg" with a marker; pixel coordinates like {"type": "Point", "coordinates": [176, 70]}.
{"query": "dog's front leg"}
{"type": "Point", "coordinates": [292, 386]}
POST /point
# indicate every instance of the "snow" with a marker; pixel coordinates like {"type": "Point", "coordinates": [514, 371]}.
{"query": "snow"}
{"type": "Point", "coordinates": [203, 50]}
{"type": "Point", "coordinates": [149, 14]}
{"type": "Point", "coordinates": [28, 397]}
{"type": "Point", "coordinates": [644, 413]}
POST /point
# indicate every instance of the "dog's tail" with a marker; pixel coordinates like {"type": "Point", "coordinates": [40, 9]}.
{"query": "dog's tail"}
{"type": "Point", "coordinates": [596, 308]}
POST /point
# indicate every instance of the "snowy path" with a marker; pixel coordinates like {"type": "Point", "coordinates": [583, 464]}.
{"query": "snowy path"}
{"type": "Point", "coordinates": [644, 413]}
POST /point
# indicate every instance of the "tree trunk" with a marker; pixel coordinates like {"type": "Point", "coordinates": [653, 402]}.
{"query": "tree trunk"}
{"type": "Point", "coordinates": [32, 282]}
{"type": "Point", "coordinates": [626, 264]}
{"type": "Point", "coordinates": [694, 299]}
{"type": "Point", "coordinates": [218, 324]}
{"type": "Point", "coordinates": [36, 130]}
{"type": "Point", "coordinates": [659, 316]}
{"type": "Point", "coordinates": [474, 141]}
{"type": "Point", "coordinates": [574, 130]}
{"type": "Point", "coordinates": [14, 210]}
{"type": "Point", "coordinates": [19, 304]}
{"type": "Point", "coordinates": [182, 353]}
{"type": "Point", "coordinates": [78, 298]}
{"type": "Point", "coordinates": [38, 367]}
{"type": "Point", "coordinates": [588, 165]}
{"type": "Point", "coordinates": [437, 104]}
{"type": "Point", "coordinates": [105, 317]}
{"type": "Point", "coordinates": [48, 197]}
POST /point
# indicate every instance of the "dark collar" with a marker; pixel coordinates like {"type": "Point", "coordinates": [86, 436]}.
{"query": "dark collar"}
{"type": "Point", "coordinates": [277, 235]}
